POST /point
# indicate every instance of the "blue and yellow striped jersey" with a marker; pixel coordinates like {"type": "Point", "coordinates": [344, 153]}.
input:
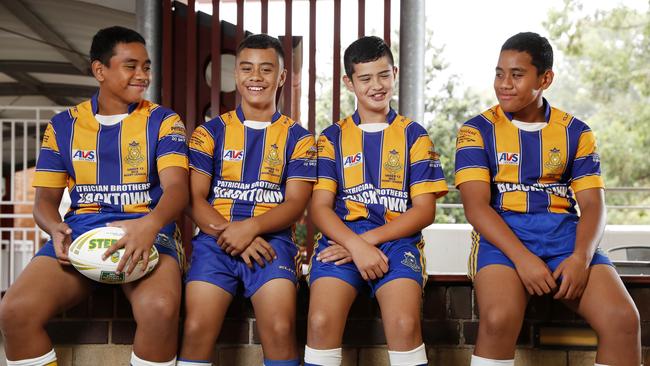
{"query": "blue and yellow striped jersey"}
{"type": "Point", "coordinates": [111, 169]}
{"type": "Point", "coordinates": [529, 172]}
{"type": "Point", "coordinates": [376, 174]}
{"type": "Point", "coordinates": [250, 167]}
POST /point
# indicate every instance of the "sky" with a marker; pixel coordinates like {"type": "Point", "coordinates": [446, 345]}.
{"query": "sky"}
{"type": "Point", "coordinates": [471, 31]}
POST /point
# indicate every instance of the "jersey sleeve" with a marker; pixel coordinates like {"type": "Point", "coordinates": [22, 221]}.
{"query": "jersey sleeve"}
{"type": "Point", "coordinates": [302, 163]}
{"type": "Point", "coordinates": [172, 144]}
{"type": "Point", "coordinates": [327, 177]}
{"type": "Point", "coordinates": [585, 172]}
{"type": "Point", "coordinates": [202, 151]}
{"type": "Point", "coordinates": [471, 158]}
{"type": "Point", "coordinates": [426, 175]}
{"type": "Point", "coordinates": [50, 169]}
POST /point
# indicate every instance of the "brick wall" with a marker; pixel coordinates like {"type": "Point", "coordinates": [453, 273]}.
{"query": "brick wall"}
{"type": "Point", "coordinates": [103, 324]}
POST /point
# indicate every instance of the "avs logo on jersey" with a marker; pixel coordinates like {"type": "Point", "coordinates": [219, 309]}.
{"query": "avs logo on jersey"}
{"type": "Point", "coordinates": [233, 155]}
{"type": "Point", "coordinates": [352, 160]}
{"type": "Point", "coordinates": [507, 158]}
{"type": "Point", "coordinates": [84, 155]}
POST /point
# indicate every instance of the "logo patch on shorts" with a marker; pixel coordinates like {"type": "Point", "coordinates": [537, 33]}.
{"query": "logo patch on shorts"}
{"type": "Point", "coordinates": [410, 261]}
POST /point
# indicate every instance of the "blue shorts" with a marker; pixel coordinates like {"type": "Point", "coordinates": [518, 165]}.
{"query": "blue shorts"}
{"type": "Point", "coordinates": [168, 241]}
{"type": "Point", "coordinates": [211, 264]}
{"type": "Point", "coordinates": [550, 236]}
{"type": "Point", "coordinates": [405, 260]}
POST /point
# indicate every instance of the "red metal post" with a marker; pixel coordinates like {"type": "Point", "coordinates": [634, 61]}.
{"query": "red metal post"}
{"type": "Point", "coordinates": [265, 16]}
{"type": "Point", "coordinates": [215, 55]}
{"type": "Point", "coordinates": [167, 53]}
{"type": "Point", "coordinates": [336, 60]}
{"type": "Point", "coordinates": [362, 18]}
{"type": "Point", "coordinates": [387, 22]}
{"type": "Point", "coordinates": [288, 57]}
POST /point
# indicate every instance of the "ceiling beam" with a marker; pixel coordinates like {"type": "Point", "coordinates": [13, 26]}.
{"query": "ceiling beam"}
{"type": "Point", "coordinates": [35, 87]}
{"type": "Point", "coordinates": [45, 67]}
{"type": "Point", "coordinates": [38, 26]}
{"type": "Point", "coordinates": [49, 89]}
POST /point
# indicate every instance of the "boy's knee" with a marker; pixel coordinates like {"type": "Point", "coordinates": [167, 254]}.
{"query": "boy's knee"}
{"type": "Point", "coordinates": [404, 324]}
{"type": "Point", "coordinates": [500, 322]}
{"type": "Point", "coordinates": [16, 314]}
{"type": "Point", "coordinates": [619, 321]}
{"type": "Point", "coordinates": [282, 329]}
{"type": "Point", "coordinates": [156, 309]}
{"type": "Point", "coordinates": [319, 323]}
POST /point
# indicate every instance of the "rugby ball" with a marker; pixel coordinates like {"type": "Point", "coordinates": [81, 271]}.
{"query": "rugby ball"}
{"type": "Point", "coordinates": [86, 252]}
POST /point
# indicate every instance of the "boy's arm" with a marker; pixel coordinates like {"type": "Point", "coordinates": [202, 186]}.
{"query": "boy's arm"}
{"type": "Point", "coordinates": [200, 210]}
{"type": "Point", "coordinates": [575, 269]}
{"type": "Point", "coordinates": [235, 236]}
{"type": "Point", "coordinates": [141, 232]}
{"type": "Point", "coordinates": [421, 214]}
{"type": "Point", "coordinates": [46, 215]}
{"type": "Point", "coordinates": [371, 262]}
{"type": "Point", "coordinates": [533, 272]}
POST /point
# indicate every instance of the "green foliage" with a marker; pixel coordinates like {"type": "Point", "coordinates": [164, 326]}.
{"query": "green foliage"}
{"type": "Point", "coordinates": [604, 79]}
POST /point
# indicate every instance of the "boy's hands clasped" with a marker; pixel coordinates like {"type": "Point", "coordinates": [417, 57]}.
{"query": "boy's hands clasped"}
{"type": "Point", "coordinates": [242, 238]}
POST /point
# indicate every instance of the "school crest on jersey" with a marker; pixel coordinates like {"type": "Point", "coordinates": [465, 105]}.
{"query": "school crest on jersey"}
{"type": "Point", "coordinates": [393, 163]}
{"type": "Point", "coordinates": [134, 155]}
{"type": "Point", "coordinates": [554, 163]}
{"type": "Point", "coordinates": [411, 262]}
{"type": "Point", "coordinates": [273, 157]}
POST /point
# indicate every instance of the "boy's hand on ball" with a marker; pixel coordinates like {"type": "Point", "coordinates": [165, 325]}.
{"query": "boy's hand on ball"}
{"type": "Point", "coordinates": [139, 236]}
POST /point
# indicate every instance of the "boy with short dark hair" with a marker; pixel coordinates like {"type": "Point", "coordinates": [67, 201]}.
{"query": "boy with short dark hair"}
{"type": "Point", "coordinates": [378, 180]}
{"type": "Point", "coordinates": [116, 141]}
{"type": "Point", "coordinates": [252, 171]}
{"type": "Point", "coordinates": [521, 167]}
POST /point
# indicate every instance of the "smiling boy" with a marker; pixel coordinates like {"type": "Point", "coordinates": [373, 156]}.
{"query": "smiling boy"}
{"type": "Point", "coordinates": [378, 179]}
{"type": "Point", "coordinates": [252, 171]}
{"type": "Point", "coordinates": [521, 167]}
{"type": "Point", "coordinates": [116, 139]}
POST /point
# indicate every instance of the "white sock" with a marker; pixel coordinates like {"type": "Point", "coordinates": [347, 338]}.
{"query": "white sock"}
{"type": "Point", "coordinates": [45, 360]}
{"type": "Point", "coordinates": [193, 363]}
{"type": "Point", "coordinates": [414, 357]}
{"type": "Point", "coordinates": [137, 361]}
{"type": "Point", "coordinates": [602, 364]}
{"type": "Point", "coordinates": [323, 357]}
{"type": "Point", "coordinates": [480, 361]}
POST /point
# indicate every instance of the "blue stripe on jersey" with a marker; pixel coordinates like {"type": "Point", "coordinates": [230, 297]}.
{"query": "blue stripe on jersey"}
{"type": "Point", "coordinates": [530, 169]}
{"type": "Point", "coordinates": [254, 151]}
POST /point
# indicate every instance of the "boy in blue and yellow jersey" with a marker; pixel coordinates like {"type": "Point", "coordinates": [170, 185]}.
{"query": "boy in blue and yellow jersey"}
{"type": "Point", "coordinates": [252, 171]}
{"type": "Point", "coordinates": [521, 167]}
{"type": "Point", "coordinates": [124, 161]}
{"type": "Point", "coordinates": [378, 179]}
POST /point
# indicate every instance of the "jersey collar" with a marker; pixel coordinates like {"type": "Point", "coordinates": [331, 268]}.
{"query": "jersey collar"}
{"type": "Point", "coordinates": [240, 114]}
{"type": "Point", "coordinates": [547, 111]}
{"type": "Point", "coordinates": [95, 104]}
{"type": "Point", "coordinates": [390, 116]}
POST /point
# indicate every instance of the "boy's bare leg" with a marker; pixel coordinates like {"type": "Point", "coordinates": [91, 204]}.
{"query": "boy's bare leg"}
{"type": "Point", "coordinates": [500, 321]}
{"type": "Point", "coordinates": [275, 312]}
{"type": "Point", "coordinates": [155, 301]}
{"type": "Point", "coordinates": [608, 308]}
{"type": "Point", "coordinates": [330, 300]}
{"type": "Point", "coordinates": [205, 309]}
{"type": "Point", "coordinates": [44, 289]}
{"type": "Point", "coordinates": [400, 301]}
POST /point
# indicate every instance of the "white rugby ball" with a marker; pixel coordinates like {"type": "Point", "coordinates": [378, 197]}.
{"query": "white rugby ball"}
{"type": "Point", "coordinates": [86, 252]}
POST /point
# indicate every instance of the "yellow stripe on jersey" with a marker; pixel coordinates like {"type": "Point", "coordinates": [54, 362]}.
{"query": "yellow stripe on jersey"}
{"type": "Point", "coordinates": [470, 137]}
{"type": "Point", "coordinates": [353, 165]}
{"type": "Point", "coordinates": [393, 157]}
{"type": "Point", "coordinates": [45, 178]}
{"type": "Point", "coordinates": [275, 145]}
{"type": "Point", "coordinates": [202, 141]}
{"type": "Point", "coordinates": [507, 141]}
{"type": "Point", "coordinates": [134, 152]}
{"type": "Point", "coordinates": [325, 150]}
{"type": "Point", "coordinates": [84, 138]}
{"type": "Point", "coordinates": [172, 125]}
{"type": "Point", "coordinates": [231, 169]}
{"type": "Point", "coordinates": [272, 164]}
{"type": "Point", "coordinates": [554, 161]}
{"type": "Point", "coordinates": [587, 146]}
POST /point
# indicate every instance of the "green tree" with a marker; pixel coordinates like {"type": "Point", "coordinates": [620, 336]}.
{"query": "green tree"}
{"type": "Point", "coordinates": [604, 79]}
